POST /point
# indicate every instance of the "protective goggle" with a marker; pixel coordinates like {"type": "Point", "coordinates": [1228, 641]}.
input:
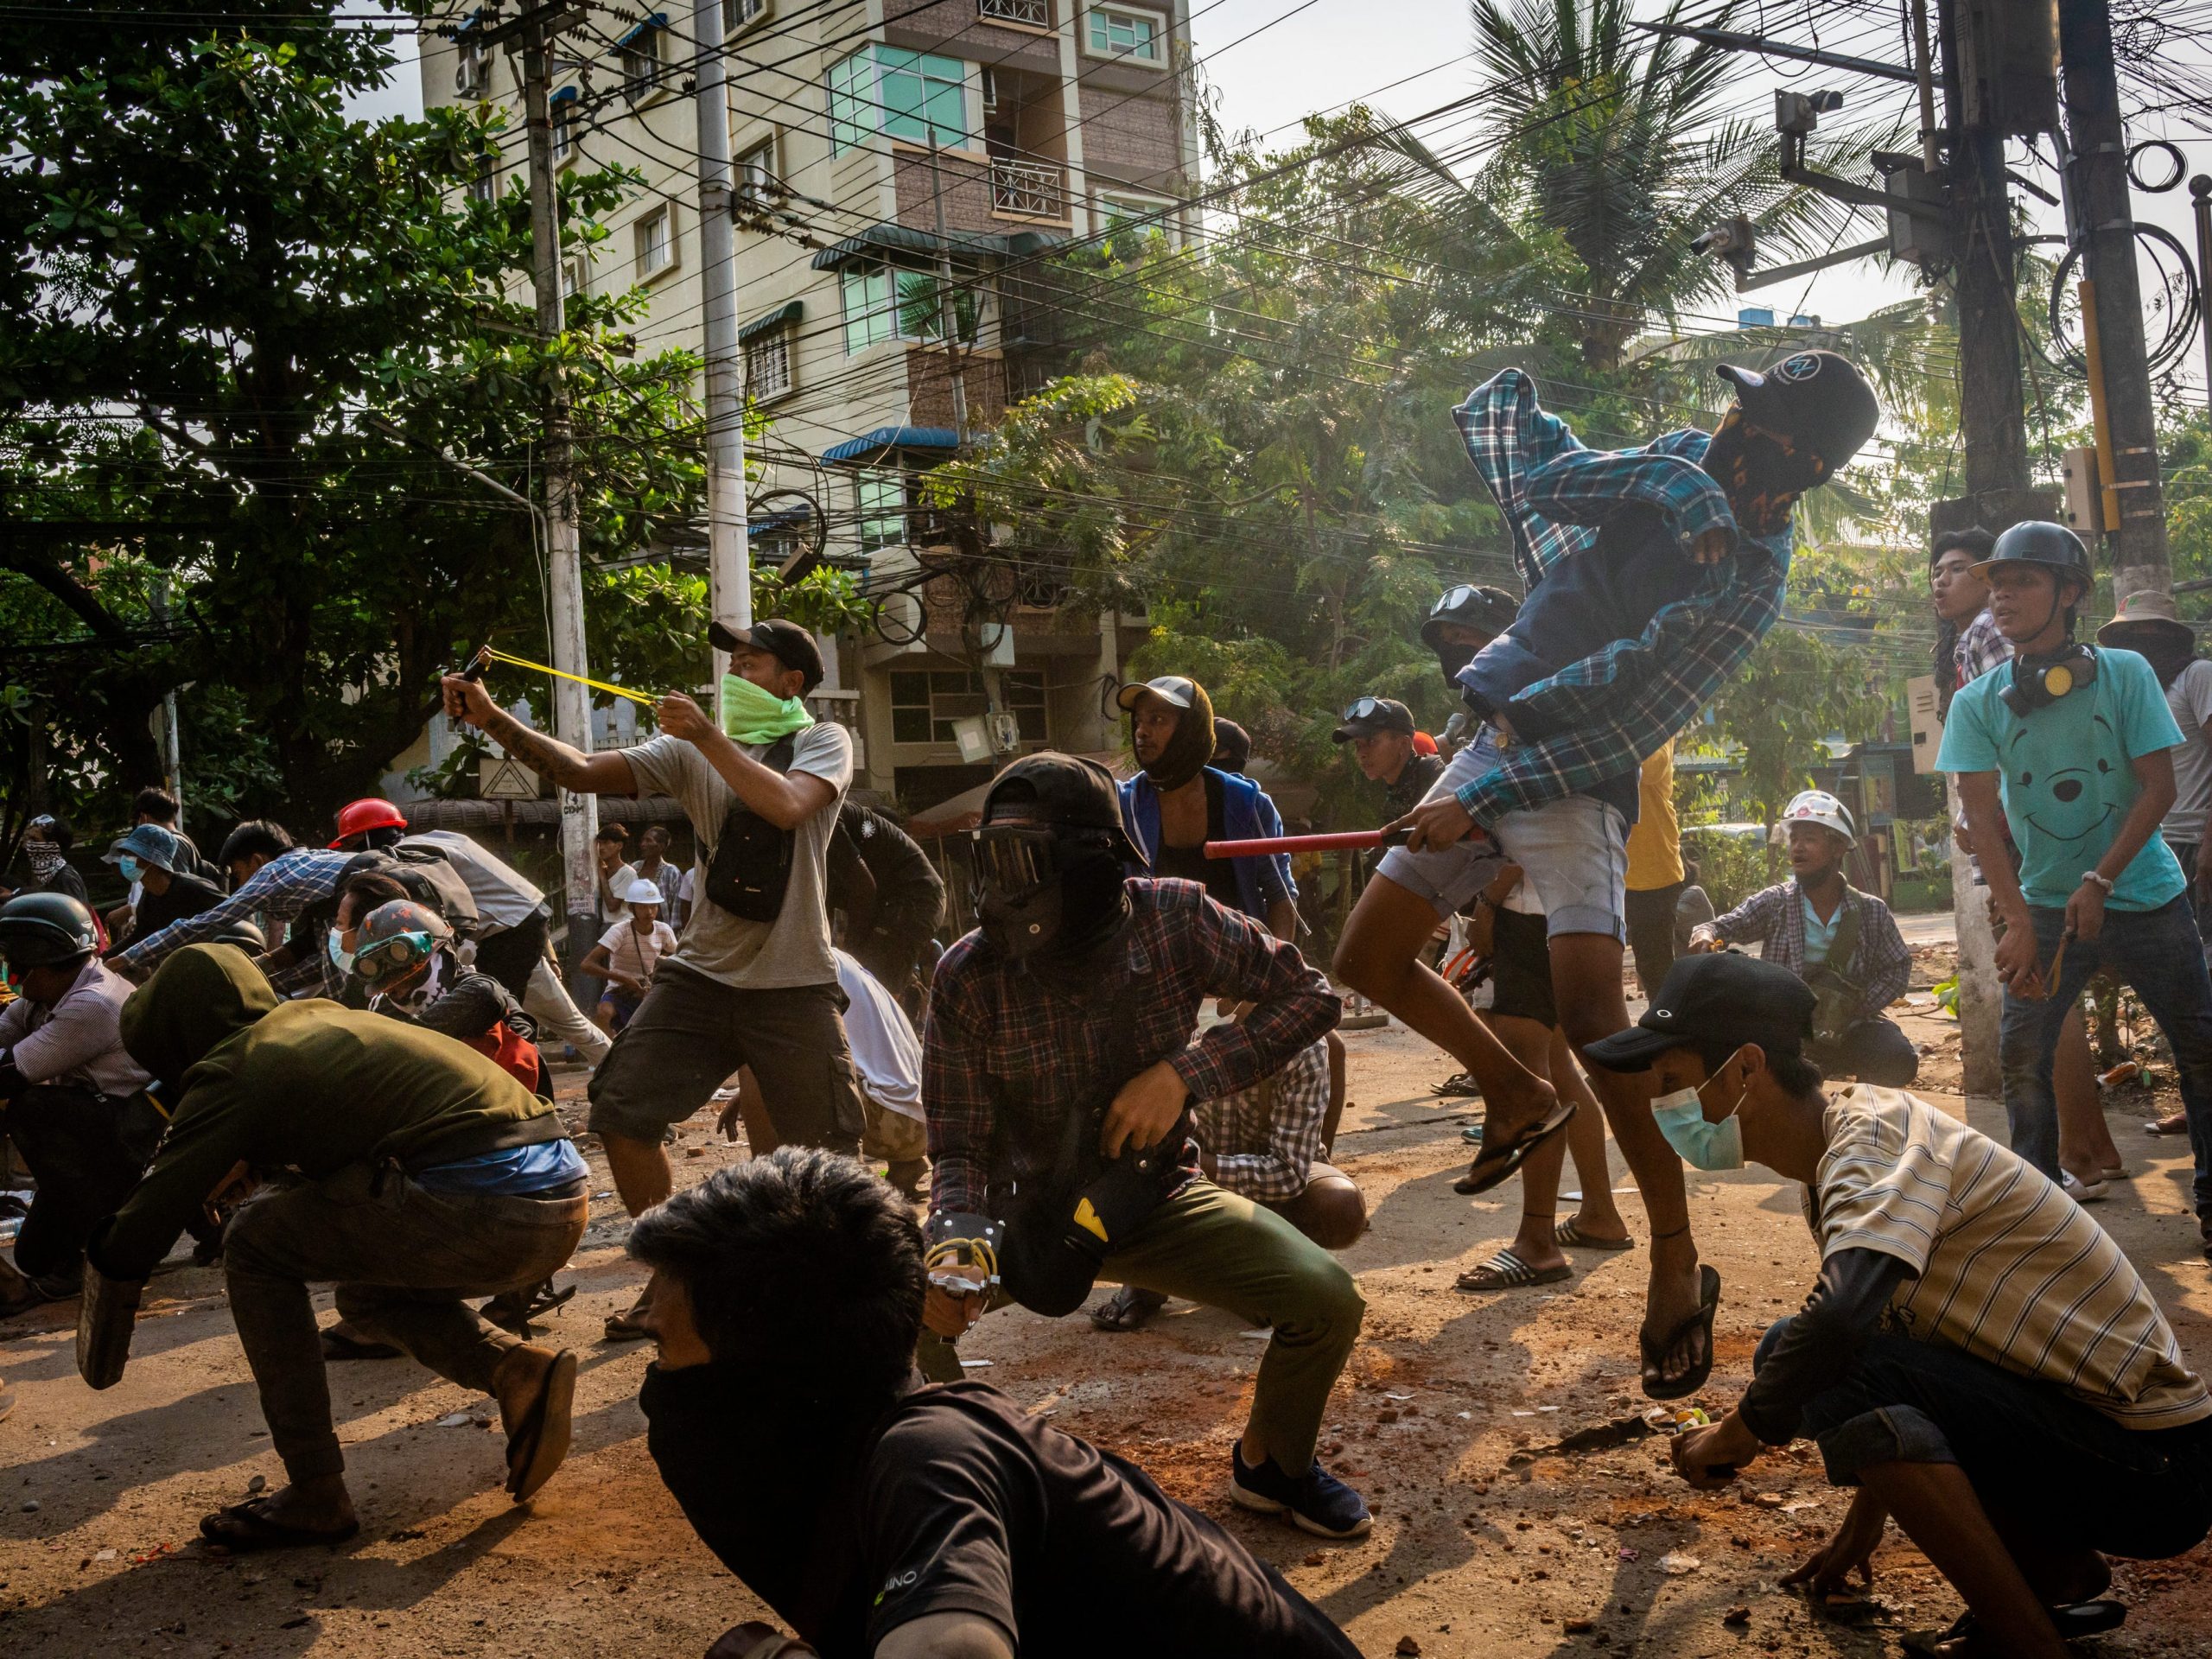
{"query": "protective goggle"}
{"type": "Point", "coordinates": [1458, 594]}
{"type": "Point", "coordinates": [392, 955]}
{"type": "Point", "coordinates": [1016, 859]}
{"type": "Point", "coordinates": [1364, 708]}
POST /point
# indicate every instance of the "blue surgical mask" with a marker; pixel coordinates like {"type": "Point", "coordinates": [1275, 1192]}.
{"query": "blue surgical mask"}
{"type": "Point", "coordinates": [341, 957]}
{"type": "Point", "coordinates": [127, 866]}
{"type": "Point", "coordinates": [1710, 1146]}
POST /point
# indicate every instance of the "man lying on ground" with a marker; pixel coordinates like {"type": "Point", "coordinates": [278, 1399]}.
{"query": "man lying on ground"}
{"type": "Point", "coordinates": [1652, 575]}
{"type": "Point", "coordinates": [887, 1518]}
{"type": "Point", "coordinates": [1977, 1357]}
{"type": "Point", "coordinates": [71, 1099]}
{"type": "Point", "coordinates": [1269, 1143]}
{"type": "Point", "coordinates": [1057, 1073]}
{"type": "Point", "coordinates": [1841, 942]}
{"type": "Point", "coordinates": [407, 1169]}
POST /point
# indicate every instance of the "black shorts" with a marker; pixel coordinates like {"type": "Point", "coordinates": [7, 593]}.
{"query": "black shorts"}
{"type": "Point", "coordinates": [1521, 969]}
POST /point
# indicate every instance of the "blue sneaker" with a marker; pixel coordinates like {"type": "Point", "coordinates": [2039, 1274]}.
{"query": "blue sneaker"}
{"type": "Point", "coordinates": [1316, 1500]}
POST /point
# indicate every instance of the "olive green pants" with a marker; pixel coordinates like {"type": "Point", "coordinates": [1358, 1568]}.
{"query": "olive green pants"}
{"type": "Point", "coordinates": [1211, 1247]}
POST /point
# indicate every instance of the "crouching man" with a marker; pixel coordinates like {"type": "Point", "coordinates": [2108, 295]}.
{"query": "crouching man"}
{"type": "Point", "coordinates": [1057, 1078]}
{"type": "Point", "coordinates": [405, 1167]}
{"type": "Point", "coordinates": [883, 1517]}
{"type": "Point", "coordinates": [1977, 1357]}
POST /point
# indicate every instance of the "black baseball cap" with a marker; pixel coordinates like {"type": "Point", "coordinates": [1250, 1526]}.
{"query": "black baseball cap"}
{"type": "Point", "coordinates": [1370, 715]}
{"type": "Point", "coordinates": [1068, 792]}
{"type": "Point", "coordinates": [1817, 398]}
{"type": "Point", "coordinates": [1472, 605]}
{"type": "Point", "coordinates": [1176, 690]}
{"type": "Point", "coordinates": [1724, 1000]}
{"type": "Point", "coordinates": [787, 642]}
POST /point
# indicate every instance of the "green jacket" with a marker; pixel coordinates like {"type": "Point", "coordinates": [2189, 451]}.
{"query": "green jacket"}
{"type": "Point", "coordinates": [305, 1086]}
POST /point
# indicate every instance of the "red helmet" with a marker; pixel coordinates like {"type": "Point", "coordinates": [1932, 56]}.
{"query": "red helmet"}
{"type": "Point", "coordinates": [358, 817]}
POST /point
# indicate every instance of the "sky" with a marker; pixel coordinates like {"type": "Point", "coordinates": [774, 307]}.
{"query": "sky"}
{"type": "Point", "coordinates": [1274, 61]}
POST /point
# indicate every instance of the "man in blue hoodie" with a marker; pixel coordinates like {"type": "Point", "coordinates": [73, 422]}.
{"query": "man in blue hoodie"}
{"type": "Point", "coordinates": [1652, 575]}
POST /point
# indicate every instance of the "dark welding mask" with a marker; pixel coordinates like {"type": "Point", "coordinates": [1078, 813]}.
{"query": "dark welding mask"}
{"type": "Point", "coordinates": [1035, 884]}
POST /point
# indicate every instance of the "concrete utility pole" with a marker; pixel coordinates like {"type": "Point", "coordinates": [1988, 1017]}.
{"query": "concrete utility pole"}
{"type": "Point", "coordinates": [1993, 436]}
{"type": "Point", "coordinates": [729, 555]}
{"type": "Point", "coordinates": [2105, 230]}
{"type": "Point", "coordinates": [535, 30]}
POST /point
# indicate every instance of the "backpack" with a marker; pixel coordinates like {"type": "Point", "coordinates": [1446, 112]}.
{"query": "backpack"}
{"type": "Point", "coordinates": [427, 875]}
{"type": "Point", "coordinates": [752, 866]}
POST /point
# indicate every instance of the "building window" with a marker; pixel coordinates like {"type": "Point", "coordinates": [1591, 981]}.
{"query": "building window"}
{"type": "Point", "coordinates": [1134, 36]}
{"type": "Point", "coordinates": [756, 178]}
{"type": "Point", "coordinates": [882, 520]}
{"type": "Point", "coordinates": [1030, 14]}
{"type": "Point", "coordinates": [870, 293]}
{"type": "Point", "coordinates": [656, 234]}
{"type": "Point", "coordinates": [736, 14]}
{"type": "Point", "coordinates": [1024, 701]}
{"type": "Point", "coordinates": [575, 276]}
{"type": "Point", "coordinates": [644, 53]}
{"type": "Point", "coordinates": [483, 185]}
{"type": "Point", "coordinates": [768, 364]}
{"type": "Point", "coordinates": [923, 706]}
{"type": "Point", "coordinates": [565, 124]}
{"type": "Point", "coordinates": [911, 95]}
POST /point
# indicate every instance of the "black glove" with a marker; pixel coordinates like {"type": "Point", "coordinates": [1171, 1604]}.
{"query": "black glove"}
{"type": "Point", "coordinates": [1053, 1250]}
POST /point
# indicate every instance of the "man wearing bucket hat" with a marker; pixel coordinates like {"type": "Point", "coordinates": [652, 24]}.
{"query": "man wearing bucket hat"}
{"type": "Point", "coordinates": [2070, 749]}
{"type": "Point", "coordinates": [169, 890]}
{"type": "Point", "coordinates": [2148, 626]}
{"type": "Point", "coordinates": [1841, 942]}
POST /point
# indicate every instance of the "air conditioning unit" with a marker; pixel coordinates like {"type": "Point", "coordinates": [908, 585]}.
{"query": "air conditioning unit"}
{"type": "Point", "coordinates": [471, 74]}
{"type": "Point", "coordinates": [1006, 734]}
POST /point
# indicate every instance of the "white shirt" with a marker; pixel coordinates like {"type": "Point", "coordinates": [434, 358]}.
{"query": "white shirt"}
{"type": "Point", "coordinates": [637, 954]}
{"type": "Point", "coordinates": [2190, 698]}
{"type": "Point", "coordinates": [503, 898]}
{"type": "Point", "coordinates": [886, 1052]}
{"type": "Point", "coordinates": [78, 1041]}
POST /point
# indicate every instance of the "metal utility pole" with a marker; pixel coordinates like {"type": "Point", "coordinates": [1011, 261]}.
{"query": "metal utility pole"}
{"type": "Point", "coordinates": [535, 30]}
{"type": "Point", "coordinates": [2105, 231]}
{"type": "Point", "coordinates": [729, 556]}
{"type": "Point", "coordinates": [1993, 421]}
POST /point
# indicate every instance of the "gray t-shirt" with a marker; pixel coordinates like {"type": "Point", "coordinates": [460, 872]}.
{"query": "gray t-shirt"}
{"type": "Point", "coordinates": [2190, 698]}
{"type": "Point", "coordinates": [794, 949]}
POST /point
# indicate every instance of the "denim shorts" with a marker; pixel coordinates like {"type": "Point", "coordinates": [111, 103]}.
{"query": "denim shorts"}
{"type": "Point", "coordinates": [1572, 852]}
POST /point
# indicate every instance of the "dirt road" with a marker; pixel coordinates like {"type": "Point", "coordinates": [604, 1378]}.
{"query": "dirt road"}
{"type": "Point", "coordinates": [1484, 1545]}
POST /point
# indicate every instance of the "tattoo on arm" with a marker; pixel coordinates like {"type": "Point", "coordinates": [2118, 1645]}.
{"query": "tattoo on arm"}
{"type": "Point", "coordinates": [550, 756]}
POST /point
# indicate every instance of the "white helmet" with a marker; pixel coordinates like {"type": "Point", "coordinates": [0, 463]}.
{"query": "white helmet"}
{"type": "Point", "coordinates": [1818, 806]}
{"type": "Point", "coordinates": [644, 891]}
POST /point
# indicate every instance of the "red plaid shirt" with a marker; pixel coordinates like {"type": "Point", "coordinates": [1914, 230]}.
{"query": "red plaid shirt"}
{"type": "Point", "coordinates": [999, 1042]}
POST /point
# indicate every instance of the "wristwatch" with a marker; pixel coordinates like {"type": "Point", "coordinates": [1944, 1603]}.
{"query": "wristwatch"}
{"type": "Point", "coordinates": [2104, 882]}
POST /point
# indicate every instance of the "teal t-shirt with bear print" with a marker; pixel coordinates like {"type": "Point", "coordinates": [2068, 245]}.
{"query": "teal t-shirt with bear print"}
{"type": "Point", "coordinates": [2067, 776]}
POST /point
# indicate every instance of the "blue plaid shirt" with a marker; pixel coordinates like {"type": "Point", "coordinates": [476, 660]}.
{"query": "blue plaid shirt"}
{"type": "Point", "coordinates": [1604, 713]}
{"type": "Point", "coordinates": [278, 891]}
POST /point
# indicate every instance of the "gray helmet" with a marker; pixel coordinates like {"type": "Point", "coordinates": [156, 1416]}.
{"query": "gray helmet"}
{"type": "Point", "coordinates": [2037, 540]}
{"type": "Point", "coordinates": [38, 930]}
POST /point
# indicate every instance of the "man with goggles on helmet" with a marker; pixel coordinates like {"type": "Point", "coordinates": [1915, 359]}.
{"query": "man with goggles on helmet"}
{"type": "Point", "coordinates": [1652, 573]}
{"type": "Point", "coordinates": [71, 1098]}
{"type": "Point", "coordinates": [1841, 942]}
{"type": "Point", "coordinates": [1057, 1075]}
{"type": "Point", "coordinates": [2071, 750]}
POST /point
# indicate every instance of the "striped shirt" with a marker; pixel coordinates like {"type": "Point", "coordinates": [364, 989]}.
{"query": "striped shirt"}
{"type": "Point", "coordinates": [1265, 1139]}
{"type": "Point", "coordinates": [2010, 1269]}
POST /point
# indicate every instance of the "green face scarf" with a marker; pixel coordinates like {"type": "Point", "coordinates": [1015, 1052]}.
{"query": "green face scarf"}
{"type": "Point", "coordinates": [751, 715]}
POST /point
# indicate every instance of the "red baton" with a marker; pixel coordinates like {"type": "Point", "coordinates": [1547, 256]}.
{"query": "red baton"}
{"type": "Point", "coordinates": [1268, 846]}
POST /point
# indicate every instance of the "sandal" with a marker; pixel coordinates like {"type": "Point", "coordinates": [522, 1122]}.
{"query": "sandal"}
{"type": "Point", "coordinates": [1497, 1164]}
{"type": "Point", "coordinates": [1128, 1309]}
{"type": "Point", "coordinates": [1964, 1639]}
{"type": "Point", "coordinates": [1506, 1271]}
{"type": "Point", "coordinates": [1459, 1084]}
{"type": "Point", "coordinates": [635, 1322]}
{"type": "Point", "coordinates": [1569, 1232]}
{"type": "Point", "coordinates": [514, 1310]}
{"type": "Point", "coordinates": [1657, 1385]}
{"type": "Point", "coordinates": [540, 1441]}
{"type": "Point", "coordinates": [2171, 1123]}
{"type": "Point", "coordinates": [243, 1528]}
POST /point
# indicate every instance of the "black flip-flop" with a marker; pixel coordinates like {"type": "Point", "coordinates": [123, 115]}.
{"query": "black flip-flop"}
{"type": "Point", "coordinates": [1503, 1161]}
{"type": "Point", "coordinates": [1569, 1233]}
{"type": "Point", "coordinates": [1508, 1272]}
{"type": "Point", "coordinates": [249, 1529]}
{"type": "Point", "coordinates": [1127, 1309]}
{"type": "Point", "coordinates": [2074, 1620]}
{"type": "Point", "coordinates": [541, 1439]}
{"type": "Point", "coordinates": [1655, 1353]}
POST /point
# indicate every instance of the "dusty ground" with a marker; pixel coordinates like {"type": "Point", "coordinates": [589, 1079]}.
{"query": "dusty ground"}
{"type": "Point", "coordinates": [1479, 1546]}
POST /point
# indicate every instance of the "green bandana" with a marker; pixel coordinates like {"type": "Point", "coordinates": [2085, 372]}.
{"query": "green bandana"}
{"type": "Point", "coordinates": [753, 716]}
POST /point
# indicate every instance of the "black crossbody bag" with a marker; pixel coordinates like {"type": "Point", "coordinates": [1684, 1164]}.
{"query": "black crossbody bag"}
{"type": "Point", "coordinates": [752, 865]}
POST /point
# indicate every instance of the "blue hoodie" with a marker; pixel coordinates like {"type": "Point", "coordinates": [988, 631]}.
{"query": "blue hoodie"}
{"type": "Point", "coordinates": [1246, 814]}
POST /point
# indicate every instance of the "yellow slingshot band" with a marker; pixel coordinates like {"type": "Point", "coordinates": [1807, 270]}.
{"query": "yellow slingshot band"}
{"type": "Point", "coordinates": [596, 685]}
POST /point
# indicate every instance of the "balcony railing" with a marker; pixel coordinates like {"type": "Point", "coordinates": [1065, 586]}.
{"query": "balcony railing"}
{"type": "Point", "coordinates": [1029, 189]}
{"type": "Point", "coordinates": [1035, 14]}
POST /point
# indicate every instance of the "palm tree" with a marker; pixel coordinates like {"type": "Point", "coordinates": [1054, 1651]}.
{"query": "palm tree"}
{"type": "Point", "coordinates": [1617, 140]}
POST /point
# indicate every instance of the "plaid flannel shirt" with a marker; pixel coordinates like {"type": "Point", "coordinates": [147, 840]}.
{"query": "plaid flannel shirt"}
{"type": "Point", "coordinates": [1981, 648]}
{"type": "Point", "coordinates": [1775, 917]}
{"type": "Point", "coordinates": [278, 891]}
{"type": "Point", "coordinates": [1624, 702]}
{"type": "Point", "coordinates": [1265, 1139]}
{"type": "Point", "coordinates": [1000, 1043]}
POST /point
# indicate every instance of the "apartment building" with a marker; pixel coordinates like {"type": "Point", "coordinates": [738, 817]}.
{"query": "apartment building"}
{"type": "Point", "coordinates": [906, 171]}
